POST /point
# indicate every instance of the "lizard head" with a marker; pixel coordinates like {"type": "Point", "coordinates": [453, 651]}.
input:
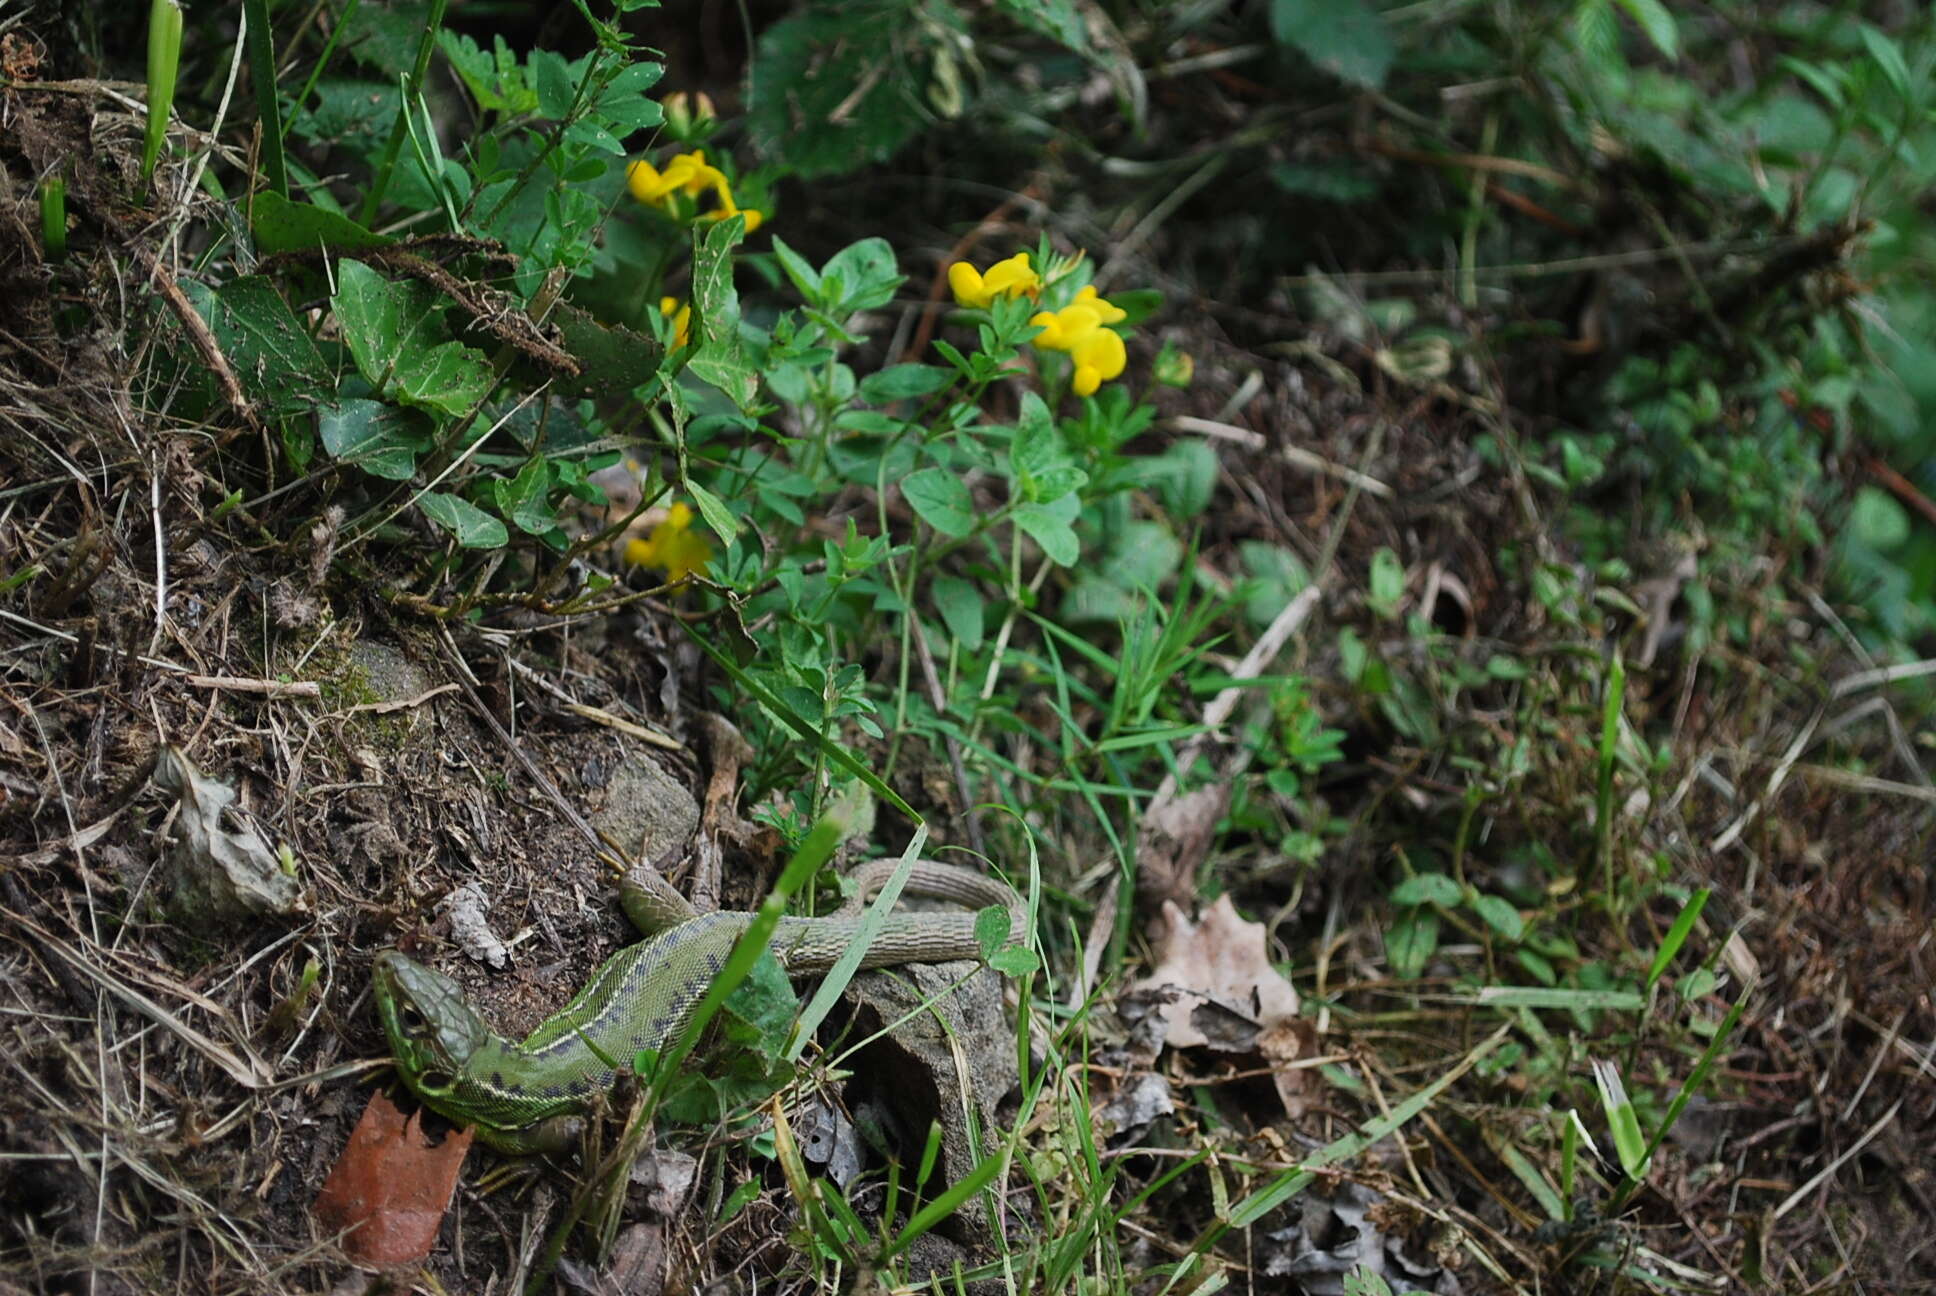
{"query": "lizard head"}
{"type": "Point", "coordinates": [433, 1033]}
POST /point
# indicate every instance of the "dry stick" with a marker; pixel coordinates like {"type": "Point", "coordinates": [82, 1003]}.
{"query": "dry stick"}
{"type": "Point", "coordinates": [265, 687]}
{"type": "Point", "coordinates": [204, 340]}
{"type": "Point", "coordinates": [1732, 833]}
{"type": "Point", "coordinates": [1802, 1193]}
{"type": "Point", "coordinates": [1297, 456]}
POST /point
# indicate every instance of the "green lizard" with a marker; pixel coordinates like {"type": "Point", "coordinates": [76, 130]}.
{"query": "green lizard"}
{"type": "Point", "coordinates": [531, 1097]}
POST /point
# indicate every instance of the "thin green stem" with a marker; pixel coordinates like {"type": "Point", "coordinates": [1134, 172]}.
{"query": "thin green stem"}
{"type": "Point", "coordinates": [413, 86]}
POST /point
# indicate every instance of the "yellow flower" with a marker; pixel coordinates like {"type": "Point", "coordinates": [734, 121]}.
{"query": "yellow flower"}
{"type": "Point", "coordinates": [1010, 278]}
{"type": "Point", "coordinates": [690, 175]}
{"type": "Point", "coordinates": [681, 317]}
{"type": "Point", "coordinates": [1080, 328]}
{"type": "Point", "coordinates": [673, 546]}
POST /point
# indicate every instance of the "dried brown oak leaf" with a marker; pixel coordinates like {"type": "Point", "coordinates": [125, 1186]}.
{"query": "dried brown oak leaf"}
{"type": "Point", "coordinates": [1226, 995]}
{"type": "Point", "coordinates": [388, 1192]}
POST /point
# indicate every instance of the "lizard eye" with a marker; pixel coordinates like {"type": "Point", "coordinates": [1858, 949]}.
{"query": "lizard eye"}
{"type": "Point", "coordinates": [412, 1021]}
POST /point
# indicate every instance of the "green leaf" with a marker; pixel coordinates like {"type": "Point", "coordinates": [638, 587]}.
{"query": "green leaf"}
{"type": "Point", "coordinates": [960, 605]}
{"type": "Point", "coordinates": [261, 337]}
{"type": "Point", "coordinates": [1059, 20]}
{"type": "Point", "coordinates": [903, 382]}
{"type": "Point", "coordinates": [395, 331]}
{"type": "Point", "coordinates": [522, 498]}
{"type": "Point", "coordinates": [383, 440]}
{"type": "Point", "coordinates": [1657, 23]}
{"type": "Point", "coordinates": [867, 273]}
{"type": "Point", "coordinates": [280, 225]}
{"type": "Point", "coordinates": [1016, 960]}
{"type": "Point", "coordinates": [1499, 914]}
{"type": "Point", "coordinates": [1186, 476]}
{"type": "Point", "coordinates": [471, 525]}
{"type": "Point", "coordinates": [991, 929]}
{"type": "Point", "coordinates": [1048, 525]}
{"type": "Point", "coordinates": [1676, 936]}
{"type": "Point", "coordinates": [613, 361]}
{"type": "Point", "coordinates": [1888, 58]}
{"type": "Point", "coordinates": [1386, 587]}
{"type": "Point", "coordinates": [1428, 888]}
{"type": "Point", "coordinates": [940, 499]}
{"type": "Point", "coordinates": [717, 516]}
{"type": "Point", "coordinates": [494, 79]}
{"type": "Point", "coordinates": [806, 279]}
{"type": "Point", "coordinates": [552, 78]}
{"type": "Point", "coordinates": [1346, 38]}
{"type": "Point", "coordinates": [1410, 942]}
{"type": "Point", "coordinates": [839, 86]}
{"type": "Point", "coordinates": [1038, 460]}
{"type": "Point", "coordinates": [1621, 1118]}
{"type": "Point", "coordinates": [1826, 82]}
{"type": "Point", "coordinates": [720, 360]}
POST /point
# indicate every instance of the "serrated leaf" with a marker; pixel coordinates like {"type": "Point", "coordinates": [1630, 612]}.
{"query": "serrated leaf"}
{"type": "Point", "coordinates": [494, 78]}
{"type": "Point", "coordinates": [1428, 888]}
{"type": "Point", "coordinates": [472, 527]}
{"type": "Point", "coordinates": [383, 440]}
{"type": "Point", "coordinates": [1346, 38]}
{"type": "Point", "coordinates": [837, 89]}
{"type": "Point", "coordinates": [941, 500]}
{"type": "Point", "coordinates": [280, 225]}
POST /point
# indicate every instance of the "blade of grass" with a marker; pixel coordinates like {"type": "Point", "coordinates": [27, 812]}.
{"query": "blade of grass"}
{"type": "Point", "coordinates": [1686, 1093]}
{"type": "Point", "coordinates": [164, 63]}
{"type": "Point", "coordinates": [1292, 1182]}
{"type": "Point", "coordinates": [816, 850]}
{"type": "Point", "coordinates": [413, 87]}
{"type": "Point", "coordinates": [262, 71]}
{"type": "Point", "coordinates": [1670, 944]}
{"type": "Point", "coordinates": [842, 972]}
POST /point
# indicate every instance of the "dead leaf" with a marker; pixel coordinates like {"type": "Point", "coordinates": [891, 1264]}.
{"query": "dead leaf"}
{"type": "Point", "coordinates": [1175, 838]}
{"type": "Point", "coordinates": [223, 869]}
{"type": "Point", "coordinates": [388, 1192]}
{"type": "Point", "coordinates": [1219, 968]}
{"type": "Point", "coordinates": [471, 928]}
